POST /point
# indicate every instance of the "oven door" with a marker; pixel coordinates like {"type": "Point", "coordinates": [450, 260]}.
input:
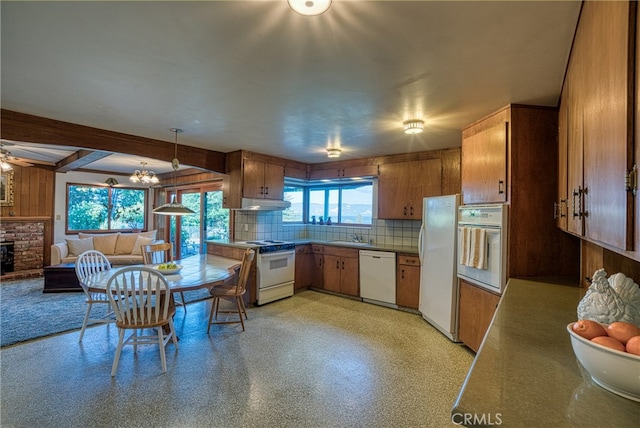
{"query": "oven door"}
{"type": "Point", "coordinates": [492, 278]}
{"type": "Point", "coordinates": [275, 268]}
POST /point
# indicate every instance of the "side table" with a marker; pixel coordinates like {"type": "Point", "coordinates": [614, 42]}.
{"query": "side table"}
{"type": "Point", "coordinates": [61, 278]}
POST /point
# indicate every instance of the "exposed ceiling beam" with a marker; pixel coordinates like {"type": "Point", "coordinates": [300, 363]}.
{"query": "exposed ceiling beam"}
{"type": "Point", "coordinates": [35, 129]}
{"type": "Point", "coordinates": [80, 159]}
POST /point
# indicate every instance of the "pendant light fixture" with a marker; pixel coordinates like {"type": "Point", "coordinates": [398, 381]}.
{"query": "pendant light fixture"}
{"type": "Point", "coordinates": [173, 207]}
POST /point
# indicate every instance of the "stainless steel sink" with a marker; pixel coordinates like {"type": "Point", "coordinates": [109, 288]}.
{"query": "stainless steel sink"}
{"type": "Point", "coordinates": [351, 243]}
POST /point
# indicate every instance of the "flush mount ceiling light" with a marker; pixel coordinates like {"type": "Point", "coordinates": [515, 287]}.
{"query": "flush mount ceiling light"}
{"type": "Point", "coordinates": [173, 207]}
{"type": "Point", "coordinates": [334, 153]}
{"type": "Point", "coordinates": [4, 159]}
{"type": "Point", "coordinates": [309, 7]}
{"type": "Point", "coordinates": [413, 126]}
{"type": "Point", "coordinates": [143, 176]}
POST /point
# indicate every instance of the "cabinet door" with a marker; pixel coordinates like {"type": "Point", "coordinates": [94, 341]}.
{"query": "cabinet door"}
{"type": "Point", "coordinates": [429, 176]}
{"type": "Point", "coordinates": [484, 166]}
{"type": "Point", "coordinates": [607, 146]}
{"type": "Point", "coordinates": [317, 274]}
{"type": "Point", "coordinates": [304, 266]}
{"type": "Point", "coordinates": [332, 270]}
{"type": "Point", "coordinates": [476, 309]}
{"type": "Point", "coordinates": [395, 185]}
{"type": "Point", "coordinates": [253, 179]}
{"type": "Point", "coordinates": [408, 286]}
{"type": "Point", "coordinates": [273, 181]}
{"type": "Point", "coordinates": [560, 208]}
{"type": "Point", "coordinates": [349, 276]}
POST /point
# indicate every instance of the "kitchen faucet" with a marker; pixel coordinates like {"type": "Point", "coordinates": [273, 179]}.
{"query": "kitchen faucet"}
{"type": "Point", "coordinates": [356, 238]}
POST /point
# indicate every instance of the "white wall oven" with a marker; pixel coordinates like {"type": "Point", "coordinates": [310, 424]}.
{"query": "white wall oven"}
{"type": "Point", "coordinates": [482, 245]}
{"type": "Point", "coordinates": [275, 270]}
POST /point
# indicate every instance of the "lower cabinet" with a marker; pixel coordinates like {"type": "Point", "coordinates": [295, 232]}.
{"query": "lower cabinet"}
{"type": "Point", "coordinates": [304, 266]}
{"type": "Point", "coordinates": [341, 274]}
{"type": "Point", "coordinates": [316, 273]}
{"type": "Point", "coordinates": [476, 309]}
{"type": "Point", "coordinates": [408, 281]}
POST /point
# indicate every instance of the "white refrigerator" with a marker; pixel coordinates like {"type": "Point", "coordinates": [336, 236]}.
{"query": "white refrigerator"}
{"type": "Point", "coordinates": [437, 250]}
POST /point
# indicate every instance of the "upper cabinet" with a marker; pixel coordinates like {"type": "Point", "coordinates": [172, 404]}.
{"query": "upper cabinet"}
{"type": "Point", "coordinates": [342, 171]}
{"type": "Point", "coordinates": [402, 185]}
{"type": "Point", "coordinates": [251, 178]}
{"type": "Point", "coordinates": [597, 127]}
{"type": "Point", "coordinates": [484, 160]}
{"type": "Point", "coordinates": [263, 180]}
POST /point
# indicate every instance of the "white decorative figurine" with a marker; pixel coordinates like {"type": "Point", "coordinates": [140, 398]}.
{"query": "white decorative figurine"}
{"type": "Point", "coordinates": [629, 292]}
{"type": "Point", "coordinates": [601, 303]}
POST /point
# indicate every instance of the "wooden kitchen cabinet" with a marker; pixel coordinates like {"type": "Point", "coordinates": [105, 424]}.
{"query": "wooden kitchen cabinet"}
{"type": "Point", "coordinates": [304, 266]}
{"type": "Point", "coordinates": [525, 138]}
{"type": "Point", "coordinates": [403, 185]}
{"type": "Point", "coordinates": [408, 281]}
{"type": "Point", "coordinates": [343, 171]}
{"type": "Point", "coordinates": [263, 180]}
{"type": "Point", "coordinates": [484, 161]}
{"type": "Point", "coordinates": [317, 268]}
{"type": "Point", "coordinates": [251, 178]}
{"type": "Point", "coordinates": [476, 309]}
{"type": "Point", "coordinates": [597, 102]}
{"type": "Point", "coordinates": [341, 270]}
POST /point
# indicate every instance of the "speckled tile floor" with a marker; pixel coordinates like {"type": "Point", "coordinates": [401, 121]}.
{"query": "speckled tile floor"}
{"type": "Point", "coordinates": [313, 360]}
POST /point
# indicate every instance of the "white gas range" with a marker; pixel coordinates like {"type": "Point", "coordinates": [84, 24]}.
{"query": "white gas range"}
{"type": "Point", "coordinates": [275, 269]}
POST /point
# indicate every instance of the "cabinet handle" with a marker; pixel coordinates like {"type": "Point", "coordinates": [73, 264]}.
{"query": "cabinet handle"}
{"type": "Point", "coordinates": [402, 273]}
{"type": "Point", "coordinates": [562, 212]}
{"type": "Point", "coordinates": [266, 192]}
{"type": "Point", "coordinates": [262, 190]}
{"type": "Point", "coordinates": [500, 187]}
{"type": "Point", "coordinates": [342, 265]}
{"type": "Point", "coordinates": [404, 211]}
{"type": "Point", "coordinates": [337, 264]}
{"type": "Point", "coordinates": [574, 193]}
{"type": "Point", "coordinates": [411, 211]}
{"type": "Point", "coordinates": [583, 192]}
{"type": "Point", "coordinates": [555, 210]}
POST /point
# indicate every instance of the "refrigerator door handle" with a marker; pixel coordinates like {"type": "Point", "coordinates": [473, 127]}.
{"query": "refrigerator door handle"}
{"type": "Point", "coordinates": [420, 243]}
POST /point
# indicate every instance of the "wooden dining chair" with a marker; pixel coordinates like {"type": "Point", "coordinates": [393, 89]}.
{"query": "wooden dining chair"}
{"type": "Point", "coordinates": [139, 298]}
{"type": "Point", "coordinates": [88, 263]}
{"type": "Point", "coordinates": [161, 253]}
{"type": "Point", "coordinates": [233, 293]}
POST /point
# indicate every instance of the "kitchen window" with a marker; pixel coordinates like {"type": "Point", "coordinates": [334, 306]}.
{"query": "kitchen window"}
{"type": "Point", "coordinates": [100, 208]}
{"type": "Point", "coordinates": [346, 203]}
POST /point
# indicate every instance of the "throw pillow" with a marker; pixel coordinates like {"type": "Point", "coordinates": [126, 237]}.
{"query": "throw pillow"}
{"type": "Point", "coordinates": [105, 243]}
{"type": "Point", "coordinates": [140, 241]}
{"type": "Point", "coordinates": [79, 246]}
{"type": "Point", "coordinates": [126, 241]}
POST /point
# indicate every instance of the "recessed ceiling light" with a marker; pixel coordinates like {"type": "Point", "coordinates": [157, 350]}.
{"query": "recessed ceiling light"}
{"type": "Point", "coordinates": [310, 7]}
{"type": "Point", "coordinates": [413, 126]}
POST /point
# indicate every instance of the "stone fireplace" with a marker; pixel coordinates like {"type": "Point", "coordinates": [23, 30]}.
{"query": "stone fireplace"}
{"type": "Point", "coordinates": [28, 237]}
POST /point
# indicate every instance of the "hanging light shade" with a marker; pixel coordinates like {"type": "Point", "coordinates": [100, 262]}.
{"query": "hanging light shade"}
{"type": "Point", "coordinates": [310, 7]}
{"type": "Point", "coordinates": [173, 207]}
{"type": "Point", "coordinates": [111, 182]}
{"type": "Point", "coordinates": [144, 176]}
{"type": "Point", "coordinates": [413, 126]}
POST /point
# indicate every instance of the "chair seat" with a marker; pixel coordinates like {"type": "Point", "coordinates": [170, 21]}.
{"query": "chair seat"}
{"type": "Point", "coordinates": [153, 322]}
{"type": "Point", "coordinates": [226, 291]}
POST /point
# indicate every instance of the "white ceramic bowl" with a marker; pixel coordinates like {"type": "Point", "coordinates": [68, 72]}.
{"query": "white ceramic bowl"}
{"type": "Point", "coordinates": [615, 371]}
{"type": "Point", "coordinates": [168, 271]}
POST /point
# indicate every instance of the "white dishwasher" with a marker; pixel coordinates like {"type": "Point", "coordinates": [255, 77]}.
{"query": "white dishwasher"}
{"type": "Point", "coordinates": [378, 277]}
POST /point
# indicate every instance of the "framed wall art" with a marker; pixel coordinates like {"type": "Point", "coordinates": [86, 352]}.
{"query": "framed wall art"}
{"type": "Point", "coordinates": [6, 189]}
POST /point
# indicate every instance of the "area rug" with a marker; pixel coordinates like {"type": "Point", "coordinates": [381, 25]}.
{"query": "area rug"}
{"type": "Point", "coordinates": [27, 313]}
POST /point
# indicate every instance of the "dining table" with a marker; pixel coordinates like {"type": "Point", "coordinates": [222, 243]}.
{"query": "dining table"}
{"type": "Point", "coordinates": [198, 271]}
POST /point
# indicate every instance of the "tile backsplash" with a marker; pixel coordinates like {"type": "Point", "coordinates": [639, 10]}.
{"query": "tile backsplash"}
{"type": "Point", "coordinates": [251, 225]}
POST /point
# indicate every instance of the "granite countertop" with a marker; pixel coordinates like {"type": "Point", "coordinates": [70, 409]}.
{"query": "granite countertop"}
{"type": "Point", "coordinates": [406, 249]}
{"type": "Point", "coordinates": [525, 372]}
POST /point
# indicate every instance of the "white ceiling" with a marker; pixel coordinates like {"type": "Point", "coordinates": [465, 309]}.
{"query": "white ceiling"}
{"type": "Point", "coordinates": [255, 75]}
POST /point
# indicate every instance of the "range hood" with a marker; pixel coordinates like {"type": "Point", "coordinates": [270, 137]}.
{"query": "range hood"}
{"type": "Point", "coordinates": [249, 204]}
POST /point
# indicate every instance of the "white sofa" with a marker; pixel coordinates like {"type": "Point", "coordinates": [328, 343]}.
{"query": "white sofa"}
{"type": "Point", "coordinates": [120, 248]}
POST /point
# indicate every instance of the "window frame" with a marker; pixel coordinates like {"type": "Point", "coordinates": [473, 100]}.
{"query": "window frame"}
{"type": "Point", "coordinates": [327, 187]}
{"type": "Point", "coordinates": [110, 189]}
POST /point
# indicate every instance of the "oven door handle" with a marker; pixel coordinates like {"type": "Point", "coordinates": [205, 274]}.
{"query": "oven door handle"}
{"type": "Point", "coordinates": [277, 254]}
